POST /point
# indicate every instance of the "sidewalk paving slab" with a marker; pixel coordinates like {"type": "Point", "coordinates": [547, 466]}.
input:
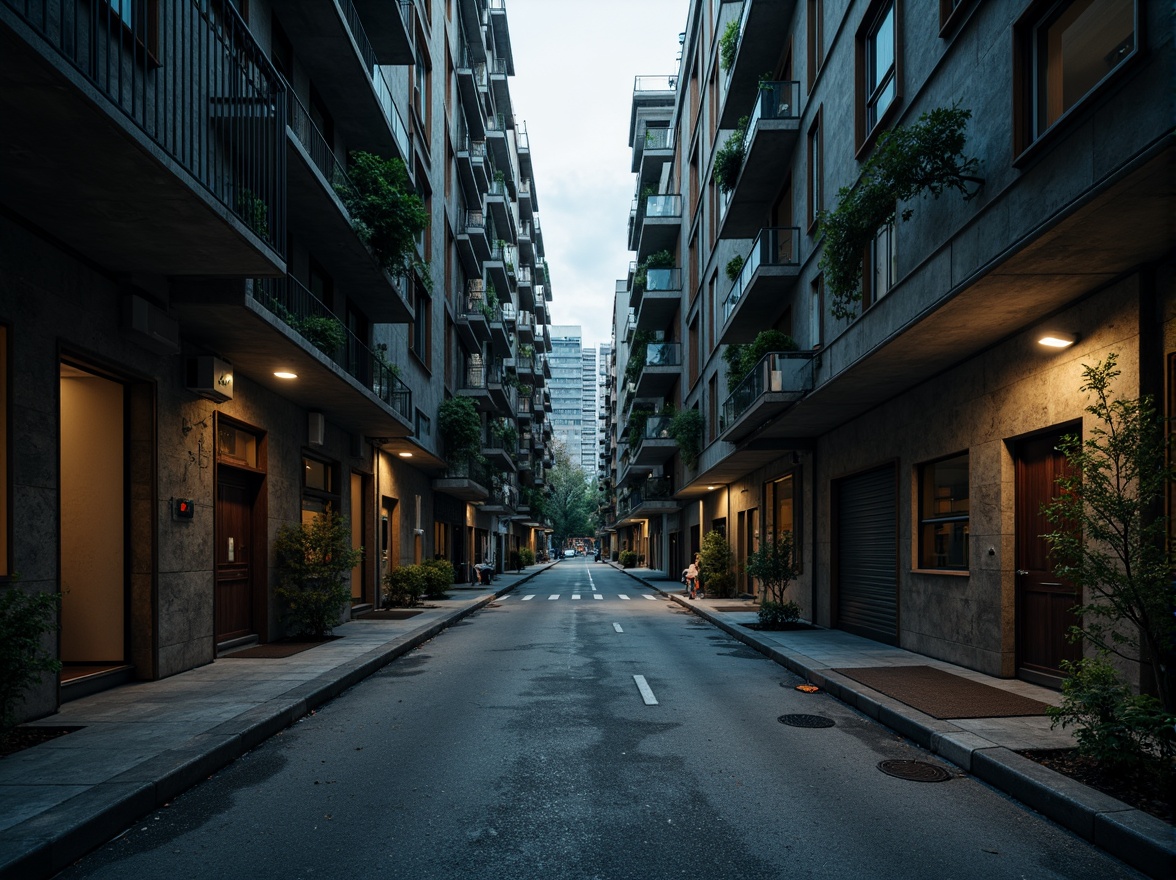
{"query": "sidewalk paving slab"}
{"type": "Point", "coordinates": [984, 747]}
{"type": "Point", "coordinates": [142, 744]}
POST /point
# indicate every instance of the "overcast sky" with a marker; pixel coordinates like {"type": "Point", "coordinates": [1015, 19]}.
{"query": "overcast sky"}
{"type": "Point", "coordinates": [573, 87]}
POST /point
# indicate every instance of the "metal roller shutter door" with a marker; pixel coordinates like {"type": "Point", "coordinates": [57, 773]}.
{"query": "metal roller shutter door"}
{"type": "Point", "coordinates": [867, 555]}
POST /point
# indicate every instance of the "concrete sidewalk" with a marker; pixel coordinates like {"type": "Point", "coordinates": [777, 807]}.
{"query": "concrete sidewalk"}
{"type": "Point", "coordinates": [984, 747]}
{"type": "Point", "coordinates": [142, 744]}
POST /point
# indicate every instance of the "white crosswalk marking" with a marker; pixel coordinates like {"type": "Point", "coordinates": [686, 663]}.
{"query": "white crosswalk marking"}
{"type": "Point", "coordinates": [575, 595]}
{"type": "Point", "coordinates": [597, 596]}
{"type": "Point", "coordinates": [553, 597]}
{"type": "Point", "coordinates": [528, 598]}
{"type": "Point", "coordinates": [623, 596]}
{"type": "Point", "coordinates": [617, 627]}
{"type": "Point", "coordinates": [651, 598]}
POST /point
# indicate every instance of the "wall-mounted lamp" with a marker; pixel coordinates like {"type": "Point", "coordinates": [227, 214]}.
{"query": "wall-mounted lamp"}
{"type": "Point", "coordinates": [1054, 339]}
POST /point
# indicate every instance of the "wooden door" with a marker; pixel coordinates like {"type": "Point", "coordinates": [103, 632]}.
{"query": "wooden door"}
{"type": "Point", "coordinates": [1043, 600]}
{"type": "Point", "coordinates": [234, 569]}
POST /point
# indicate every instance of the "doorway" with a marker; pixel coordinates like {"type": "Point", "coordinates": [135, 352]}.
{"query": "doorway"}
{"type": "Point", "coordinates": [236, 494]}
{"type": "Point", "coordinates": [1044, 602]}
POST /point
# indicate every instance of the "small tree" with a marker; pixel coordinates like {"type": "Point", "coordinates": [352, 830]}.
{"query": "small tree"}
{"type": "Point", "coordinates": [1110, 533]}
{"type": "Point", "coordinates": [774, 566]}
{"type": "Point", "coordinates": [25, 620]}
{"type": "Point", "coordinates": [717, 566]}
{"type": "Point", "coordinates": [313, 561]}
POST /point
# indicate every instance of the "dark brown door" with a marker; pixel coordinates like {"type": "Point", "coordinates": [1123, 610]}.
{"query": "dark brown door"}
{"type": "Point", "coordinates": [1044, 601]}
{"type": "Point", "coordinates": [234, 571]}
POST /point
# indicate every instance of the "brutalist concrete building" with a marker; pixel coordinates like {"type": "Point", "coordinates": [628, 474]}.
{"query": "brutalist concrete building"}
{"type": "Point", "coordinates": [909, 443]}
{"type": "Point", "coordinates": [200, 346]}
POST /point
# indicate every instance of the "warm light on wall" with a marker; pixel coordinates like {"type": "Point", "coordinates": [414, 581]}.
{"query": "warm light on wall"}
{"type": "Point", "coordinates": [285, 374]}
{"type": "Point", "coordinates": [1056, 340]}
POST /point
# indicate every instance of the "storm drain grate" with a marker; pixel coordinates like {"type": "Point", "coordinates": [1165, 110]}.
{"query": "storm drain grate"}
{"type": "Point", "coordinates": [806, 721]}
{"type": "Point", "coordinates": [914, 771]}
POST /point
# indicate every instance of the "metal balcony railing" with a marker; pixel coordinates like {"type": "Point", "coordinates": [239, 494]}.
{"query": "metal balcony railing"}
{"type": "Point", "coordinates": [298, 308]}
{"type": "Point", "coordinates": [316, 146]}
{"type": "Point", "coordinates": [222, 80]}
{"type": "Point", "coordinates": [774, 246]}
{"type": "Point", "coordinates": [776, 100]}
{"type": "Point", "coordinates": [648, 83]}
{"type": "Point", "coordinates": [383, 90]}
{"type": "Point", "coordinates": [789, 373]}
{"type": "Point", "coordinates": [474, 221]}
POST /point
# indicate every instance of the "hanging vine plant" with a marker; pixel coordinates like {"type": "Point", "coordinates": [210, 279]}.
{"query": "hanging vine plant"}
{"type": "Point", "coordinates": [925, 157]}
{"type": "Point", "coordinates": [461, 426]}
{"type": "Point", "coordinates": [729, 157]}
{"type": "Point", "coordinates": [686, 429]}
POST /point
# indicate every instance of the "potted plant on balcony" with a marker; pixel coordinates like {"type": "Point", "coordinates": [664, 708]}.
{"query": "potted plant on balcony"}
{"type": "Point", "coordinates": [324, 332]}
{"type": "Point", "coordinates": [729, 44]}
{"type": "Point", "coordinates": [637, 352]}
{"type": "Point", "coordinates": [734, 267]}
{"type": "Point", "coordinates": [741, 358]}
{"type": "Point", "coordinates": [686, 429]}
{"type": "Point", "coordinates": [461, 426]}
{"type": "Point", "coordinates": [729, 157]}
{"type": "Point", "coordinates": [386, 212]}
{"type": "Point", "coordinates": [925, 157]}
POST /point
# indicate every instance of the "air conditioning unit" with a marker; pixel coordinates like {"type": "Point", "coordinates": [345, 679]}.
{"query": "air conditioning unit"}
{"type": "Point", "coordinates": [150, 326]}
{"type": "Point", "coordinates": [210, 377]}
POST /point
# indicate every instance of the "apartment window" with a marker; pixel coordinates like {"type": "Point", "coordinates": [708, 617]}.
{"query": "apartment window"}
{"type": "Point", "coordinates": [877, 67]}
{"type": "Point", "coordinates": [816, 171]}
{"type": "Point", "coordinates": [881, 266]}
{"type": "Point", "coordinates": [816, 39]}
{"type": "Point", "coordinates": [817, 313]}
{"type": "Point", "coordinates": [712, 393]}
{"type": "Point", "coordinates": [950, 13]}
{"type": "Point", "coordinates": [423, 425]}
{"type": "Point", "coordinates": [944, 513]}
{"type": "Point", "coordinates": [422, 314]}
{"type": "Point", "coordinates": [5, 509]}
{"type": "Point", "coordinates": [693, 354]}
{"type": "Point", "coordinates": [1064, 52]}
{"type": "Point", "coordinates": [140, 19]}
{"type": "Point", "coordinates": [320, 486]}
{"type": "Point", "coordinates": [781, 498]}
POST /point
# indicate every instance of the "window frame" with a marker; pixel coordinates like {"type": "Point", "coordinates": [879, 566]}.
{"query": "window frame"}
{"type": "Point", "coordinates": [865, 97]}
{"type": "Point", "coordinates": [924, 471]}
{"type": "Point", "coordinates": [1026, 136]}
{"type": "Point", "coordinates": [815, 40]}
{"type": "Point", "coordinates": [816, 170]}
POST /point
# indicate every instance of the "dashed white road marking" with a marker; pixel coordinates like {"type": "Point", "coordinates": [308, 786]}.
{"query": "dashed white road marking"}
{"type": "Point", "coordinates": [651, 598]}
{"type": "Point", "coordinates": [575, 595]}
{"type": "Point", "coordinates": [623, 596]}
{"type": "Point", "coordinates": [597, 596]}
{"type": "Point", "coordinates": [528, 598]}
{"type": "Point", "coordinates": [552, 597]}
{"type": "Point", "coordinates": [646, 693]}
{"type": "Point", "coordinates": [617, 627]}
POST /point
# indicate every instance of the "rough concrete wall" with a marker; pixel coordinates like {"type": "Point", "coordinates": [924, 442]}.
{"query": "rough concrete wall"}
{"type": "Point", "coordinates": [978, 407]}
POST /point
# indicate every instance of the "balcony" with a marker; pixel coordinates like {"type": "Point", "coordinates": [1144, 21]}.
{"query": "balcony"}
{"type": "Point", "coordinates": [775, 384]}
{"type": "Point", "coordinates": [473, 325]}
{"type": "Point", "coordinates": [175, 164]}
{"type": "Point", "coordinates": [654, 444]}
{"type": "Point", "coordinates": [526, 201]}
{"type": "Point", "coordinates": [656, 225]}
{"type": "Point", "coordinates": [660, 369]}
{"type": "Point", "coordinates": [523, 144]}
{"type": "Point", "coordinates": [499, 207]}
{"type": "Point", "coordinates": [653, 97]}
{"type": "Point", "coordinates": [277, 324]}
{"type": "Point", "coordinates": [652, 148]}
{"type": "Point", "coordinates": [344, 69]}
{"type": "Point", "coordinates": [500, 446]}
{"type": "Point", "coordinates": [496, 139]}
{"type": "Point", "coordinates": [502, 394]}
{"type": "Point", "coordinates": [772, 133]}
{"type": "Point", "coordinates": [466, 480]}
{"type": "Point", "coordinates": [473, 245]}
{"type": "Point", "coordinates": [504, 499]}
{"type": "Point", "coordinates": [317, 178]}
{"type": "Point", "coordinates": [759, 293]}
{"type": "Point", "coordinates": [500, 336]}
{"type": "Point", "coordinates": [500, 69]}
{"type": "Point", "coordinates": [500, 268]}
{"type": "Point", "coordinates": [758, 50]}
{"type": "Point", "coordinates": [475, 384]}
{"type": "Point", "coordinates": [388, 23]}
{"type": "Point", "coordinates": [659, 299]}
{"type": "Point", "coordinates": [472, 168]}
{"type": "Point", "coordinates": [473, 18]}
{"type": "Point", "coordinates": [525, 328]}
{"type": "Point", "coordinates": [472, 83]}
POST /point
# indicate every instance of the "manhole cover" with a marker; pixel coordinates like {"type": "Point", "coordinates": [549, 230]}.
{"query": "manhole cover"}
{"type": "Point", "coordinates": [806, 721]}
{"type": "Point", "coordinates": [914, 771]}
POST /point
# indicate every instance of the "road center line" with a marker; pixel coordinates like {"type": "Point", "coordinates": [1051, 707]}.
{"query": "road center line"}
{"type": "Point", "coordinates": [617, 627]}
{"type": "Point", "coordinates": [646, 693]}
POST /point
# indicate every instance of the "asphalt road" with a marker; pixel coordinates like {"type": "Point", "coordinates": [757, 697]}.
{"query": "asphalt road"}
{"type": "Point", "coordinates": [521, 744]}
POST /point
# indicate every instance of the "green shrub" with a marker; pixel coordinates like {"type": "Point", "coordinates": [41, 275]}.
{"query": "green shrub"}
{"type": "Point", "coordinates": [686, 429]}
{"type": "Point", "coordinates": [628, 559]}
{"type": "Point", "coordinates": [716, 568]}
{"type": "Point", "coordinates": [776, 615]}
{"type": "Point", "coordinates": [324, 332]}
{"type": "Point", "coordinates": [461, 426]}
{"type": "Point", "coordinates": [439, 576]}
{"type": "Point", "coordinates": [729, 157]}
{"type": "Point", "coordinates": [1115, 727]}
{"type": "Point", "coordinates": [734, 267]}
{"type": "Point", "coordinates": [313, 563]}
{"type": "Point", "coordinates": [404, 586]}
{"type": "Point", "coordinates": [527, 555]}
{"type": "Point", "coordinates": [386, 212]}
{"type": "Point", "coordinates": [25, 620]}
{"type": "Point", "coordinates": [728, 44]}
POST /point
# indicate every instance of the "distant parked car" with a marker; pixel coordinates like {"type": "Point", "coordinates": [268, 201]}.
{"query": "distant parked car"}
{"type": "Point", "coordinates": [568, 554]}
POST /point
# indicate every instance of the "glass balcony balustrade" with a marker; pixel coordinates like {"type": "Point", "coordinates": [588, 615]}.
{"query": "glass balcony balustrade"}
{"type": "Point", "coordinates": [774, 246]}
{"type": "Point", "coordinates": [788, 375]}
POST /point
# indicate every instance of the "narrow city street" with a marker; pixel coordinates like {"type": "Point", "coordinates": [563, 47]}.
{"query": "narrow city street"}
{"type": "Point", "coordinates": [584, 727]}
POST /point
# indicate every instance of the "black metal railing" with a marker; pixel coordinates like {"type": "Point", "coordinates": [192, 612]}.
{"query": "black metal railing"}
{"type": "Point", "coordinates": [293, 304]}
{"type": "Point", "coordinates": [774, 246]}
{"type": "Point", "coordinates": [190, 77]}
{"type": "Point", "coordinates": [379, 83]}
{"type": "Point", "coordinates": [789, 373]}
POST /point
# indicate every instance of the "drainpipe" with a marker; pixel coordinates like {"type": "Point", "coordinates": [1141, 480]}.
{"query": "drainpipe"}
{"type": "Point", "coordinates": [378, 539]}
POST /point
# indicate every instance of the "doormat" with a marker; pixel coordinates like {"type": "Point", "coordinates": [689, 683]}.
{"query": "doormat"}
{"type": "Point", "coordinates": [391, 614]}
{"type": "Point", "coordinates": [943, 695]}
{"type": "Point", "coordinates": [275, 650]}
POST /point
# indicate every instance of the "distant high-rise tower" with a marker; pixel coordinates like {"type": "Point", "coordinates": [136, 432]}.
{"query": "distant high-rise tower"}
{"type": "Point", "coordinates": [588, 425]}
{"type": "Point", "coordinates": [567, 368]}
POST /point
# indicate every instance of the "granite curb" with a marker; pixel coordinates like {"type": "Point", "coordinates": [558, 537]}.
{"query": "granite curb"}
{"type": "Point", "coordinates": [52, 840]}
{"type": "Point", "coordinates": [1141, 840]}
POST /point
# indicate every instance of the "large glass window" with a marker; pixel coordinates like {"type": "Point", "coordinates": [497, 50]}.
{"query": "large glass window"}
{"type": "Point", "coordinates": [320, 487]}
{"type": "Point", "coordinates": [782, 501]}
{"type": "Point", "coordinates": [880, 73]}
{"type": "Point", "coordinates": [944, 513]}
{"type": "Point", "coordinates": [1065, 51]}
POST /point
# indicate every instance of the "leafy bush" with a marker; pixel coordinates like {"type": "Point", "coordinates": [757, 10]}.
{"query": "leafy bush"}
{"type": "Point", "coordinates": [461, 426]}
{"type": "Point", "coordinates": [324, 332]}
{"type": "Point", "coordinates": [741, 359]}
{"type": "Point", "coordinates": [728, 44]}
{"type": "Point", "coordinates": [404, 586]}
{"type": "Point", "coordinates": [628, 559]}
{"type": "Point", "coordinates": [729, 157]}
{"type": "Point", "coordinates": [777, 615]}
{"type": "Point", "coordinates": [717, 566]}
{"type": "Point", "coordinates": [1115, 727]}
{"type": "Point", "coordinates": [313, 562]}
{"type": "Point", "coordinates": [527, 556]}
{"type": "Point", "coordinates": [734, 267]}
{"type": "Point", "coordinates": [25, 620]}
{"type": "Point", "coordinates": [386, 212]}
{"type": "Point", "coordinates": [773, 564]}
{"type": "Point", "coordinates": [686, 429]}
{"type": "Point", "coordinates": [439, 576]}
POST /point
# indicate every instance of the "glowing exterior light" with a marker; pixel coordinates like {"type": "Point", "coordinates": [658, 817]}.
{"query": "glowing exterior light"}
{"type": "Point", "coordinates": [1056, 340]}
{"type": "Point", "coordinates": [285, 374]}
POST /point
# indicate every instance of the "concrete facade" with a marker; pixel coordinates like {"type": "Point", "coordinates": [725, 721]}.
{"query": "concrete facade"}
{"type": "Point", "coordinates": [1070, 229]}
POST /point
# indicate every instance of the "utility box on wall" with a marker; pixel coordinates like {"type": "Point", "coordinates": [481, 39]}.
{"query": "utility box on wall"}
{"type": "Point", "coordinates": [210, 377]}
